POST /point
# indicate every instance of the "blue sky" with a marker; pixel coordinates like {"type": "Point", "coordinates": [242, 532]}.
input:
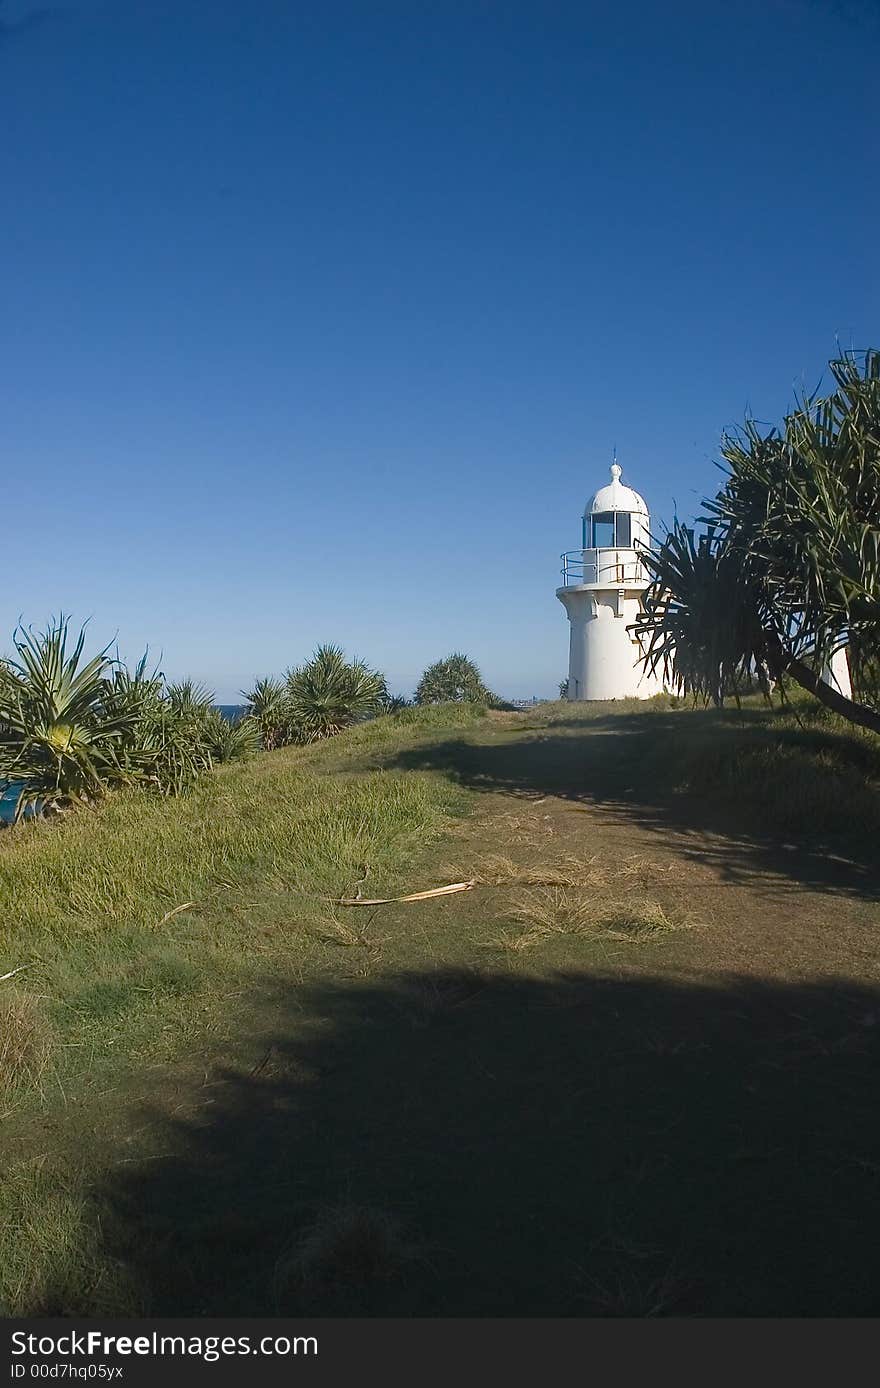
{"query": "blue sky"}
{"type": "Point", "coordinates": [320, 321]}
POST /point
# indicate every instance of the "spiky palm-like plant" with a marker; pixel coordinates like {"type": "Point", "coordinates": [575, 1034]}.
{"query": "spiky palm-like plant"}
{"type": "Point", "coordinates": [70, 730]}
{"type": "Point", "coordinates": [394, 703]}
{"type": "Point", "coordinates": [788, 570]}
{"type": "Point", "coordinates": [176, 734]}
{"type": "Point", "coordinates": [267, 705]}
{"type": "Point", "coordinates": [329, 693]}
{"type": "Point", "coordinates": [456, 679]}
{"type": "Point", "coordinates": [703, 623]}
{"type": "Point", "coordinates": [189, 699]}
{"type": "Point", "coordinates": [188, 736]}
{"type": "Point", "coordinates": [59, 740]}
{"type": "Point", "coordinates": [230, 739]}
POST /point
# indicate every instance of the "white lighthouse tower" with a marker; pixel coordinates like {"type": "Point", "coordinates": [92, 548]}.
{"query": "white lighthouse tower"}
{"type": "Point", "coordinates": [602, 589]}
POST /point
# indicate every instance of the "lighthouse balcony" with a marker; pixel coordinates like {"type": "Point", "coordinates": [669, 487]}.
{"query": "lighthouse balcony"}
{"type": "Point", "coordinates": [602, 568]}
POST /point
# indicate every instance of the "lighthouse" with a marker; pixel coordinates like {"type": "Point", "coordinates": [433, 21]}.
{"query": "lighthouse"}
{"type": "Point", "coordinates": [602, 587]}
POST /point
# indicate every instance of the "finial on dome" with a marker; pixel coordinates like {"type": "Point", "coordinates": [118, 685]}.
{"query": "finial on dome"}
{"type": "Point", "coordinates": [616, 470]}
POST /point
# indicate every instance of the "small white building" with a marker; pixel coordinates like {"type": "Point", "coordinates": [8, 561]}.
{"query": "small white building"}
{"type": "Point", "coordinates": [601, 591]}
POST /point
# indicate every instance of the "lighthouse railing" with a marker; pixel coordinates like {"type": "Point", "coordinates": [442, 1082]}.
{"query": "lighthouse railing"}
{"type": "Point", "coordinates": [606, 566]}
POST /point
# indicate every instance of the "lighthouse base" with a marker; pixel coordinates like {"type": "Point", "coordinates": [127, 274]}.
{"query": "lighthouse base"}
{"type": "Point", "coordinates": [605, 656]}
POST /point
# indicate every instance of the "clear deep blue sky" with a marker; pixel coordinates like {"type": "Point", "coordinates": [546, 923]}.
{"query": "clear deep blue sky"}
{"type": "Point", "coordinates": [319, 321]}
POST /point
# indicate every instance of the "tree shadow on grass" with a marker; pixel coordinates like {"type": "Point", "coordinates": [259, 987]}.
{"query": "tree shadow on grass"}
{"type": "Point", "coordinates": [481, 1144]}
{"type": "Point", "coordinates": [750, 799]}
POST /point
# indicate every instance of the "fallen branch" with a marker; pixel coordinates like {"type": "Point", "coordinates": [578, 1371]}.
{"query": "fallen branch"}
{"type": "Point", "coordinates": [169, 915]}
{"type": "Point", "coordinates": [13, 972]}
{"type": "Point", "coordinates": [413, 896]}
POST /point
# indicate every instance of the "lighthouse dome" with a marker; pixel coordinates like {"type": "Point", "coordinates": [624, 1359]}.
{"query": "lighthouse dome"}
{"type": "Point", "coordinates": [616, 497]}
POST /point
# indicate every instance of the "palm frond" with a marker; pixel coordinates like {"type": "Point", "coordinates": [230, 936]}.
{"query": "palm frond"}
{"type": "Point", "coordinates": [702, 624]}
{"type": "Point", "coordinates": [788, 571]}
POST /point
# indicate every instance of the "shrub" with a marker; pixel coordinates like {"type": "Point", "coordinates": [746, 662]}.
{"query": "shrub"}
{"type": "Point", "coordinates": [62, 740]}
{"type": "Point", "coordinates": [329, 693]}
{"type": "Point", "coordinates": [70, 730]}
{"type": "Point", "coordinates": [456, 679]}
{"type": "Point", "coordinates": [394, 704]}
{"type": "Point", "coordinates": [267, 706]}
{"type": "Point", "coordinates": [229, 740]}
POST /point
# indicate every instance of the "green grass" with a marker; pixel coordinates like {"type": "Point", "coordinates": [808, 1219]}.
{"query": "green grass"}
{"type": "Point", "coordinates": [118, 979]}
{"type": "Point", "coordinates": [796, 767]}
{"type": "Point", "coordinates": [814, 775]}
{"type": "Point", "coordinates": [92, 905]}
{"type": "Point", "coordinates": [223, 1093]}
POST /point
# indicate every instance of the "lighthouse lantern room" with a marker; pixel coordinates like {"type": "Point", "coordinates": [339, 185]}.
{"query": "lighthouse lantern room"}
{"type": "Point", "coordinates": [602, 589]}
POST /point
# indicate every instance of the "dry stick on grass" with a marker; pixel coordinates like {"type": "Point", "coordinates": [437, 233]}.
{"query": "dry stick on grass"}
{"type": "Point", "coordinates": [413, 896]}
{"type": "Point", "coordinates": [13, 972]}
{"type": "Point", "coordinates": [169, 915]}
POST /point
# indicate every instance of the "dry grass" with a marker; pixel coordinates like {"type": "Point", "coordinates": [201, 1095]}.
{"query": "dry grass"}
{"type": "Point", "coordinates": [569, 870]}
{"type": "Point", "coordinates": [347, 932]}
{"type": "Point", "coordinates": [644, 921]}
{"type": "Point", "coordinates": [628, 1290]}
{"type": "Point", "coordinates": [573, 895]}
{"type": "Point", "coordinates": [546, 911]}
{"type": "Point", "coordinates": [570, 894]}
{"type": "Point", "coordinates": [626, 1277]}
{"type": "Point", "coordinates": [555, 911]}
{"type": "Point", "coordinates": [25, 1041]}
{"type": "Point", "coordinates": [515, 942]}
{"type": "Point", "coordinates": [53, 1263]}
{"type": "Point", "coordinates": [429, 996]}
{"type": "Point", "coordinates": [519, 830]}
{"type": "Point", "coordinates": [345, 1256]}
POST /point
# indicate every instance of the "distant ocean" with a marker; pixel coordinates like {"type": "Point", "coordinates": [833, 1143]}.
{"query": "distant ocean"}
{"type": "Point", "coordinates": [231, 711]}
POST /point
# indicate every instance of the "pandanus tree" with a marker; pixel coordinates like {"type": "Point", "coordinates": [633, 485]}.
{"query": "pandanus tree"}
{"type": "Point", "coordinates": [318, 699]}
{"type": "Point", "coordinates": [786, 568]}
{"type": "Point", "coordinates": [71, 729]}
{"type": "Point", "coordinates": [267, 706]}
{"type": "Point", "coordinates": [456, 679]}
{"type": "Point", "coordinates": [329, 693]}
{"type": "Point", "coordinates": [177, 733]}
{"type": "Point", "coordinates": [59, 739]}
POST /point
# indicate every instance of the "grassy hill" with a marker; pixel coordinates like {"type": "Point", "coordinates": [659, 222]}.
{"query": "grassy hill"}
{"type": "Point", "coordinates": [630, 1072]}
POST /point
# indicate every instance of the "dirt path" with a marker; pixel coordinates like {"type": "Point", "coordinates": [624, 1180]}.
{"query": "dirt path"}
{"type": "Point", "coordinates": [737, 900]}
{"type": "Point", "coordinates": [632, 1072]}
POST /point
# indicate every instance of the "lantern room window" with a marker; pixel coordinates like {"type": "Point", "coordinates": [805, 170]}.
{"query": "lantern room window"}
{"type": "Point", "coordinates": [611, 530]}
